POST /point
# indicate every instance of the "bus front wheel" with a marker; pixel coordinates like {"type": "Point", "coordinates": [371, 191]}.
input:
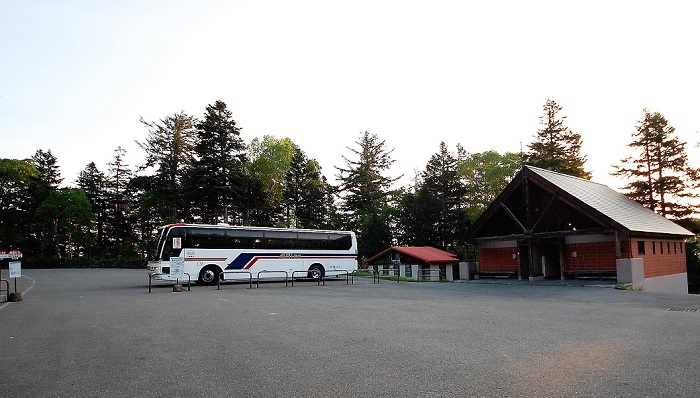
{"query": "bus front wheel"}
{"type": "Point", "coordinates": [209, 275]}
{"type": "Point", "coordinates": [316, 272]}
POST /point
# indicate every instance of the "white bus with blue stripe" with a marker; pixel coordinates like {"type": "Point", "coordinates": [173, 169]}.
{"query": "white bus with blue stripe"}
{"type": "Point", "coordinates": [210, 252]}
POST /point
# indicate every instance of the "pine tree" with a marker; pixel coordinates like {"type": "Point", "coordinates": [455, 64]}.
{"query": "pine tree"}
{"type": "Point", "coordinates": [659, 173]}
{"type": "Point", "coordinates": [362, 182]}
{"type": "Point", "coordinates": [215, 180]}
{"type": "Point", "coordinates": [118, 204]}
{"type": "Point", "coordinates": [556, 147]}
{"type": "Point", "coordinates": [306, 193]}
{"type": "Point", "coordinates": [93, 183]}
{"type": "Point", "coordinates": [169, 148]}
{"type": "Point", "coordinates": [435, 215]}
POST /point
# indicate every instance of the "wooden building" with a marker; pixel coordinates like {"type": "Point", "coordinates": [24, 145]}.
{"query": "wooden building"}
{"type": "Point", "coordinates": [551, 225]}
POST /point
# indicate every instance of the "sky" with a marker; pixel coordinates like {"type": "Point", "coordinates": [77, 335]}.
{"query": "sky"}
{"type": "Point", "coordinates": [77, 76]}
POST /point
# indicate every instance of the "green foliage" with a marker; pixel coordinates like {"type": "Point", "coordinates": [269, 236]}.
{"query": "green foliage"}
{"type": "Point", "coordinates": [16, 202]}
{"type": "Point", "coordinates": [375, 234]}
{"type": "Point", "coordinates": [659, 175]}
{"type": "Point", "coordinates": [169, 149]}
{"type": "Point", "coordinates": [119, 204]}
{"type": "Point", "coordinates": [49, 177]}
{"type": "Point", "coordinates": [556, 147]}
{"type": "Point", "coordinates": [64, 221]}
{"type": "Point", "coordinates": [692, 253]}
{"type": "Point", "coordinates": [214, 184]}
{"type": "Point", "coordinates": [94, 184]}
{"type": "Point", "coordinates": [307, 195]}
{"type": "Point", "coordinates": [362, 181]}
{"type": "Point", "coordinates": [32, 262]}
{"type": "Point", "coordinates": [269, 163]}
{"type": "Point", "coordinates": [435, 214]}
{"type": "Point", "coordinates": [484, 176]}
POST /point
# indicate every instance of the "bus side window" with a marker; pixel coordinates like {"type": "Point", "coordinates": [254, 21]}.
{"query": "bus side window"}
{"type": "Point", "coordinates": [341, 241]}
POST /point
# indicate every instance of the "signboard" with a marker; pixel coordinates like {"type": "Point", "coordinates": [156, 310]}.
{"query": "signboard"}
{"type": "Point", "coordinates": [15, 269]}
{"type": "Point", "coordinates": [177, 267]}
{"type": "Point", "coordinates": [177, 243]}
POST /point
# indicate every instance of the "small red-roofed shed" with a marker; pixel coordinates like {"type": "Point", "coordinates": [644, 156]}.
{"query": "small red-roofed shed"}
{"type": "Point", "coordinates": [417, 262]}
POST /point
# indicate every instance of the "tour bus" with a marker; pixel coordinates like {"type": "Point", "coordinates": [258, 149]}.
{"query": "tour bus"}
{"type": "Point", "coordinates": [210, 252]}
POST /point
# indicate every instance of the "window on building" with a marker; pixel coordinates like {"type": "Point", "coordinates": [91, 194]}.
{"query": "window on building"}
{"type": "Point", "coordinates": [675, 249]}
{"type": "Point", "coordinates": [668, 247]}
{"type": "Point", "coordinates": [640, 247]}
{"type": "Point", "coordinates": [653, 247]}
{"type": "Point", "coordinates": [661, 247]}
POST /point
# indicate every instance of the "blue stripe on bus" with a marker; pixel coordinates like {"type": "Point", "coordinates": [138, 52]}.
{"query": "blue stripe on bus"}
{"type": "Point", "coordinates": [244, 259]}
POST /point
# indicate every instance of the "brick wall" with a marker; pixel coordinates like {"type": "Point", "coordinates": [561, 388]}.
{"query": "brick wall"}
{"type": "Point", "coordinates": [498, 259]}
{"type": "Point", "coordinates": [661, 257]}
{"type": "Point", "coordinates": [591, 256]}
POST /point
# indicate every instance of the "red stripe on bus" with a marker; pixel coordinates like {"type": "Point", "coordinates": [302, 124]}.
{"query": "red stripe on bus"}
{"type": "Point", "coordinates": [205, 259]}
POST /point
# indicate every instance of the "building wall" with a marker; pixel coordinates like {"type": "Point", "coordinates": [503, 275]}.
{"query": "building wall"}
{"type": "Point", "coordinates": [498, 256]}
{"type": "Point", "coordinates": [594, 253]}
{"type": "Point", "coordinates": [661, 257]}
{"type": "Point", "coordinates": [590, 256]}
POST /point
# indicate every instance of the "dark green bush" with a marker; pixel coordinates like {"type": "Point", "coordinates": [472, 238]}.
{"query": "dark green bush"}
{"type": "Point", "coordinates": [83, 262]}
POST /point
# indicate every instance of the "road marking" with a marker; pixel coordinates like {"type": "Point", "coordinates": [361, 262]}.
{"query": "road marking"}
{"type": "Point", "coordinates": [23, 293]}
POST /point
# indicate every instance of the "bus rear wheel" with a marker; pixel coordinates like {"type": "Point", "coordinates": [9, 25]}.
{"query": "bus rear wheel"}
{"type": "Point", "coordinates": [316, 272]}
{"type": "Point", "coordinates": [209, 275]}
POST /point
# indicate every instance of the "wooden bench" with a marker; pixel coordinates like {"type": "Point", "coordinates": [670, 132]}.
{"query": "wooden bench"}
{"type": "Point", "coordinates": [497, 274]}
{"type": "Point", "coordinates": [591, 274]}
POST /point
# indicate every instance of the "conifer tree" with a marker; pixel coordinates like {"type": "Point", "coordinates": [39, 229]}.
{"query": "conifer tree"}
{"type": "Point", "coordinates": [659, 174]}
{"type": "Point", "coordinates": [118, 226]}
{"type": "Point", "coordinates": [169, 148]}
{"type": "Point", "coordinates": [306, 193]}
{"type": "Point", "coordinates": [435, 215]}
{"type": "Point", "coordinates": [93, 182]}
{"type": "Point", "coordinates": [215, 179]}
{"type": "Point", "coordinates": [556, 147]}
{"type": "Point", "coordinates": [362, 180]}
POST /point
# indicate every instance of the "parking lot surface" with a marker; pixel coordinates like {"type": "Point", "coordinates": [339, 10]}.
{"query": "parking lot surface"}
{"type": "Point", "coordinates": [87, 333]}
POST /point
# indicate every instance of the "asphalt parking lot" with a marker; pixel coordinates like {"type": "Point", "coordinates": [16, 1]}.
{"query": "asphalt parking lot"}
{"type": "Point", "coordinates": [87, 333]}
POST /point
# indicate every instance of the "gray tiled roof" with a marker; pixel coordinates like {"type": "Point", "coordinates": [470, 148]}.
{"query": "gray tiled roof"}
{"type": "Point", "coordinates": [612, 204]}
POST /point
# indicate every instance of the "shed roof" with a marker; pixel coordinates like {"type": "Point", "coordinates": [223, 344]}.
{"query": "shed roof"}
{"type": "Point", "coordinates": [427, 254]}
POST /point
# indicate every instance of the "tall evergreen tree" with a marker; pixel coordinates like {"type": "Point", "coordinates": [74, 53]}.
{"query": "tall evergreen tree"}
{"type": "Point", "coordinates": [49, 173]}
{"type": "Point", "coordinates": [362, 180]}
{"type": "Point", "coordinates": [556, 147]}
{"type": "Point", "coordinates": [118, 226]}
{"type": "Point", "coordinates": [216, 178]}
{"type": "Point", "coordinates": [306, 193]}
{"type": "Point", "coordinates": [659, 174]}
{"type": "Point", "coordinates": [376, 233]}
{"type": "Point", "coordinates": [47, 181]}
{"type": "Point", "coordinates": [93, 183]}
{"type": "Point", "coordinates": [169, 148]}
{"type": "Point", "coordinates": [435, 214]}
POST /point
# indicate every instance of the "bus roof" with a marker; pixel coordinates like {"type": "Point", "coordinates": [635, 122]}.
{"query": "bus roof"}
{"type": "Point", "coordinates": [249, 227]}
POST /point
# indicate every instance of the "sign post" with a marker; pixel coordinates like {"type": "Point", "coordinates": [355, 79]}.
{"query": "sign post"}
{"type": "Point", "coordinates": [177, 270]}
{"type": "Point", "coordinates": [15, 269]}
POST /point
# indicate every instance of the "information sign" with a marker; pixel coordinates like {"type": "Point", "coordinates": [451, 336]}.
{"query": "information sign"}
{"type": "Point", "coordinates": [15, 269]}
{"type": "Point", "coordinates": [177, 267]}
